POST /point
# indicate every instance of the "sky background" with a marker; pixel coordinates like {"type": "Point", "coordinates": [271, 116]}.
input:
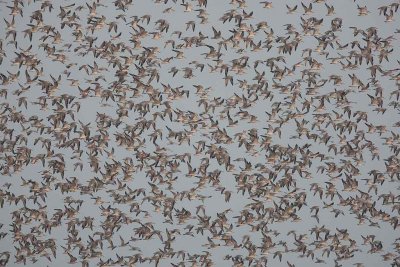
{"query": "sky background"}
{"type": "Point", "coordinates": [277, 19]}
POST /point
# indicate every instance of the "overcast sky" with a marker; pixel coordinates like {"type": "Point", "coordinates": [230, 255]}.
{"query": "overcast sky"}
{"type": "Point", "coordinates": [277, 19]}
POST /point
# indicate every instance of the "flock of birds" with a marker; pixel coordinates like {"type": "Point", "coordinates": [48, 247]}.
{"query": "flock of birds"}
{"type": "Point", "coordinates": [199, 133]}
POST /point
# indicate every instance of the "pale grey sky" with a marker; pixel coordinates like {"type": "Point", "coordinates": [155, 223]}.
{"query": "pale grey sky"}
{"type": "Point", "coordinates": [277, 20]}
